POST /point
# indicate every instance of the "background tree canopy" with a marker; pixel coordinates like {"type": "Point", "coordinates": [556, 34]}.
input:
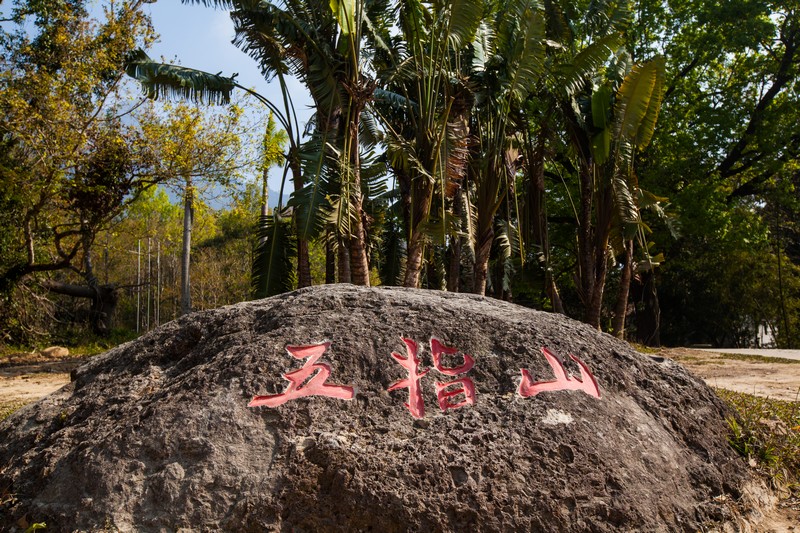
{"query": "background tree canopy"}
{"type": "Point", "coordinates": [633, 164]}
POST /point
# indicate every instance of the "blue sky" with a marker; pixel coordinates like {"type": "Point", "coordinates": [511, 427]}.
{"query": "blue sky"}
{"type": "Point", "coordinates": [200, 37]}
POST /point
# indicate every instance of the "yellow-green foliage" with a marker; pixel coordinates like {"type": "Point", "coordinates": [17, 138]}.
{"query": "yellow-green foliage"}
{"type": "Point", "coordinates": [767, 431]}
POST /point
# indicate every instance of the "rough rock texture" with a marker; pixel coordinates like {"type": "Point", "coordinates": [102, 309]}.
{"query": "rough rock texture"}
{"type": "Point", "coordinates": [156, 434]}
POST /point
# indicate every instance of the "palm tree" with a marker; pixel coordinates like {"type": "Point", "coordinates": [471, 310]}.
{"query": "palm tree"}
{"type": "Point", "coordinates": [424, 104]}
{"type": "Point", "coordinates": [507, 66]}
{"type": "Point", "coordinates": [610, 111]}
{"type": "Point", "coordinates": [159, 80]}
{"type": "Point", "coordinates": [318, 42]}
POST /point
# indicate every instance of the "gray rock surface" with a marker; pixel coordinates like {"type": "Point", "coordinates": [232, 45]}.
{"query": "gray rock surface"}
{"type": "Point", "coordinates": [157, 434]}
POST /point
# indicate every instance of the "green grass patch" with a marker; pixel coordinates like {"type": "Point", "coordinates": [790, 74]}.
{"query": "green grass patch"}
{"type": "Point", "coordinates": [7, 408]}
{"type": "Point", "coordinates": [641, 348]}
{"type": "Point", "coordinates": [79, 344]}
{"type": "Point", "coordinates": [767, 432]}
{"type": "Point", "coordinates": [758, 358]}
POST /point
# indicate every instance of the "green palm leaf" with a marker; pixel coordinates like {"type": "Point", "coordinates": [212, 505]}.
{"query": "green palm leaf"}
{"type": "Point", "coordinates": [465, 16]}
{"type": "Point", "coordinates": [588, 62]}
{"type": "Point", "coordinates": [311, 203]}
{"type": "Point", "coordinates": [274, 257]}
{"type": "Point", "coordinates": [601, 114]}
{"type": "Point", "coordinates": [648, 125]}
{"type": "Point", "coordinates": [521, 45]}
{"type": "Point", "coordinates": [483, 47]}
{"type": "Point", "coordinates": [639, 101]}
{"type": "Point", "coordinates": [159, 80]}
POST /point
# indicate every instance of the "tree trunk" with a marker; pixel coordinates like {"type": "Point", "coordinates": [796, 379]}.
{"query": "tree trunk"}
{"type": "Point", "coordinates": [420, 194]}
{"type": "Point", "coordinates": [536, 212]}
{"type": "Point", "coordinates": [648, 320]}
{"type": "Point", "coordinates": [586, 272]}
{"type": "Point", "coordinates": [482, 252]}
{"type": "Point", "coordinates": [188, 220]}
{"type": "Point", "coordinates": [360, 93]}
{"type": "Point", "coordinates": [359, 264]}
{"type": "Point", "coordinates": [552, 293]}
{"type": "Point", "coordinates": [303, 260]}
{"type": "Point", "coordinates": [104, 301]}
{"type": "Point", "coordinates": [264, 195]}
{"type": "Point", "coordinates": [621, 309]}
{"type": "Point", "coordinates": [343, 255]}
{"type": "Point", "coordinates": [454, 266]}
{"type": "Point", "coordinates": [416, 247]}
{"type": "Point", "coordinates": [330, 261]}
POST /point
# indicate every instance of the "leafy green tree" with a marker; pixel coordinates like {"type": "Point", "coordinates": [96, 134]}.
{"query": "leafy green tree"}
{"type": "Point", "coordinates": [424, 104]}
{"type": "Point", "coordinates": [609, 111]}
{"type": "Point", "coordinates": [727, 144]}
{"type": "Point", "coordinates": [193, 151]}
{"type": "Point", "coordinates": [69, 164]}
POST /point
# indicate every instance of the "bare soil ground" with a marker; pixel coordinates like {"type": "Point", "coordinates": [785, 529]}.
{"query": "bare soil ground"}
{"type": "Point", "coordinates": [752, 374]}
{"type": "Point", "coordinates": [26, 377]}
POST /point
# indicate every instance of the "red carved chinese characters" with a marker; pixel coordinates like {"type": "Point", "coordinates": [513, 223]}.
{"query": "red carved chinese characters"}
{"type": "Point", "coordinates": [444, 391]}
{"type": "Point", "coordinates": [563, 381]}
{"type": "Point", "coordinates": [415, 403]}
{"type": "Point", "coordinates": [463, 386]}
{"type": "Point", "coordinates": [316, 385]}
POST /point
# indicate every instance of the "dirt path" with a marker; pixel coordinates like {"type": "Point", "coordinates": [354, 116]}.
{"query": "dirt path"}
{"type": "Point", "coordinates": [26, 378]}
{"type": "Point", "coordinates": [742, 372]}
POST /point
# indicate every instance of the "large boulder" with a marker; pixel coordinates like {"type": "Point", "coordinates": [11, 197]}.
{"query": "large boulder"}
{"type": "Point", "coordinates": [157, 434]}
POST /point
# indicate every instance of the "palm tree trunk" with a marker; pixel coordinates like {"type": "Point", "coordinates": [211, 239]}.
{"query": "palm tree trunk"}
{"type": "Point", "coordinates": [586, 273]}
{"type": "Point", "coordinates": [188, 220]}
{"type": "Point", "coordinates": [303, 260]}
{"type": "Point", "coordinates": [421, 192]}
{"type": "Point", "coordinates": [454, 267]}
{"type": "Point", "coordinates": [303, 264]}
{"type": "Point", "coordinates": [414, 259]}
{"type": "Point", "coordinates": [330, 261]}
{"type": "Point", "coordinates": [360, 92]}
{"type": "Point", "coordinates": [482, 252]}
{"type": "Point", "coordinates": [359, 265]}
{"type": "Point", "coordinates": [621, 309]}
{"type": "Point", "coordinates": [343, 264]}
{"type": "Point", "coordinates": [536, 212]}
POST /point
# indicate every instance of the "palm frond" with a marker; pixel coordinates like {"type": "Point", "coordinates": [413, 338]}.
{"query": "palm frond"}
{"type": "Point", "coordinates": [639, 102]}
{"type": "Point", "coordinates": [214, 4]}
{"type": "Point", "coordinates": [370, 133]}
{"type": "Point", "coordinates": [414, 18]}
{"type": "Point", "coordinates": [273, 261]}
{"type": "Point", "coordinates": [161, 80]}
{"type": "Point", "coordinates": [601, 118]}
{"type": "Point", "coordinates": [311, 203]}
{"type": "Point", "coordinates": [521, 37]}
{"type": "Point", "coordinates": [345, 13]}
{"type": "Point", "coordinates": [300, 41]}
{"type": "Point", "coordinates": [648, 124]}
{"type": "Point", "coordinates": [587, 62]}
{"type": "Point", "coordinates": [608, 16]}
{"type": "Point", "coordinates": [558, 27]}
{"type": "Point", "coordinates": [483, 47]}
{"type": "Point", "coordinates": [465, 16]}
{"type": "Point", "coordinates": [623, 182]}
